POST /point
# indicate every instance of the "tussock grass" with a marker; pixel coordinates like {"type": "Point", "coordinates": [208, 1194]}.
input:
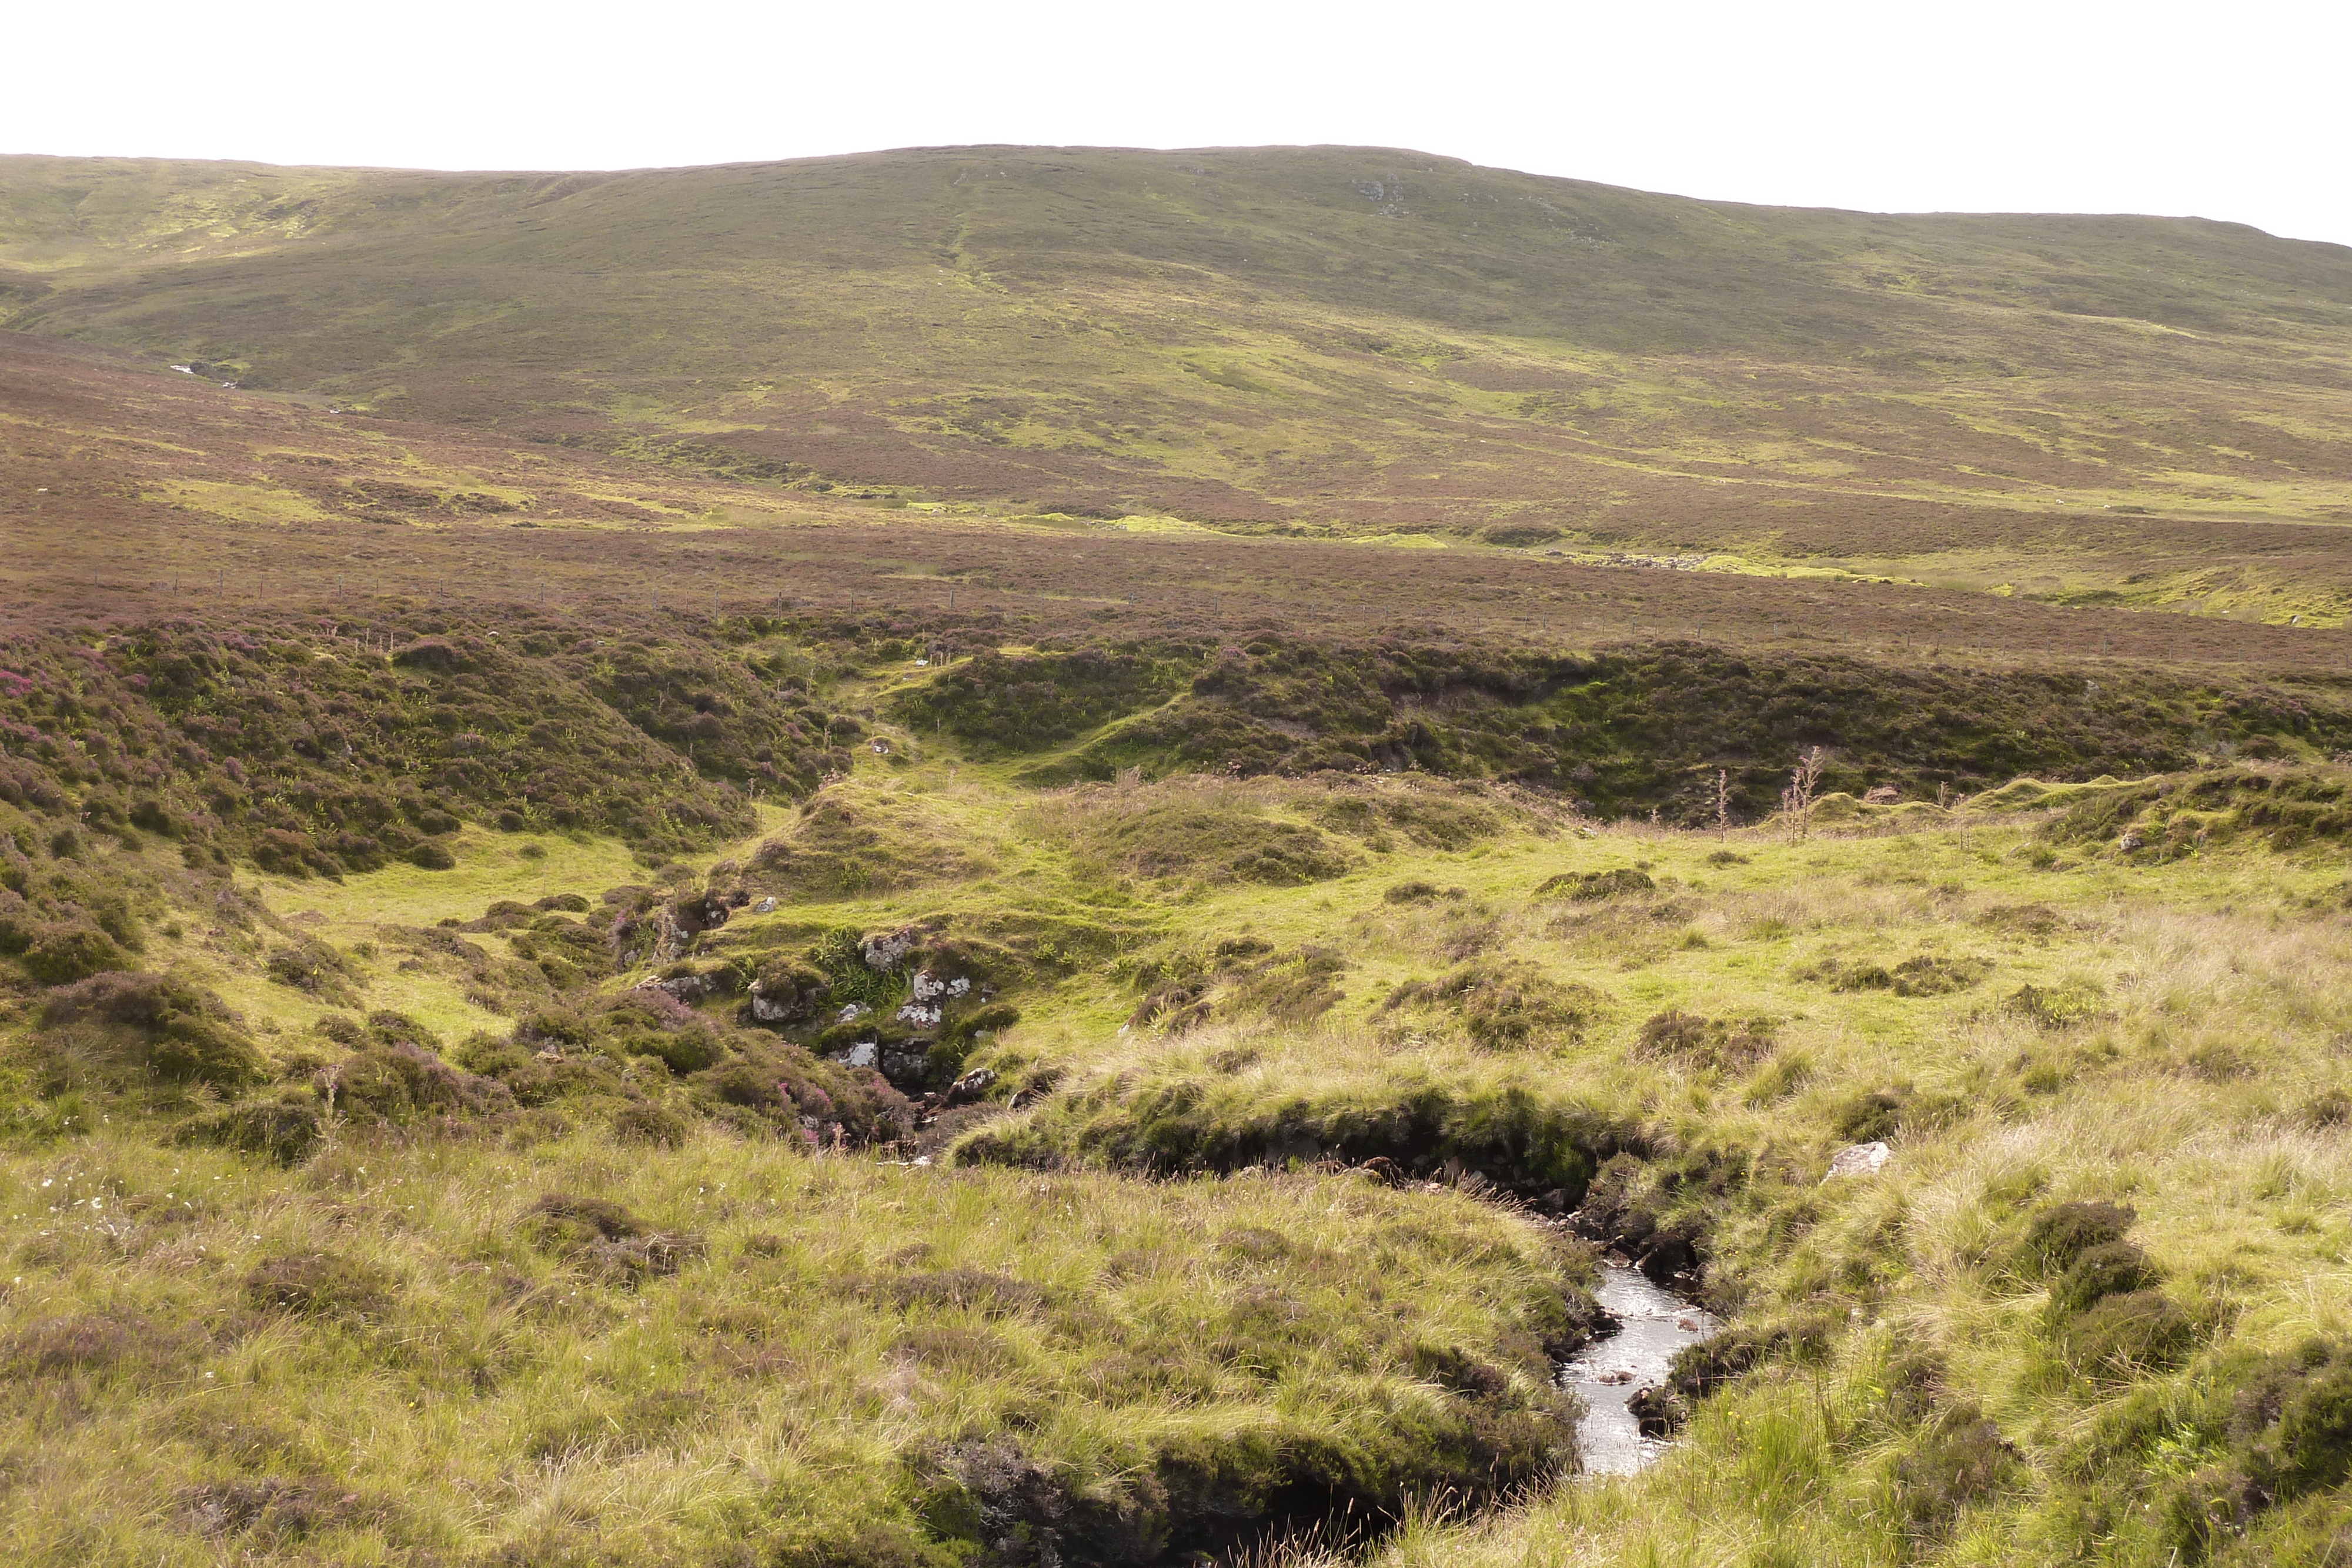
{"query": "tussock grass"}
{"type": "Point", "coordinates": [826, 1355]}
{"type": "Point", "coordinates": [402, 1336]}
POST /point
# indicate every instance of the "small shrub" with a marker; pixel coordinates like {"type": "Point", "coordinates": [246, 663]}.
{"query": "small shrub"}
{"type": "Point", "coordinates": [2325, 1111]}
{"type": "Point", "coordinates": [1871, 1115]}
{"type": "Point", "coordinates": [90, 1342]}
{"type": "Point", "coordinates": [2296, 1421]}
{"type": "Point", "coordinates": [2212, 1504]}
{"type": "Point", "coordinates": [1504, 1006]}
{"type": "Point", "coordinates": [1921, 975]}
{"type": "Point", "coordinates": [432, 855]}
{"type": "Point", "coordinates": [318, 1285]}
{"type": "Point", "coordinates": [1958, 1459]}
{"type": "Point", "coordinates": [2127, 1334]}
{"type": "Point", "coordinates": [287, 1129]}
{"type": "Point", "coordinates": [612, 1242]}
{"type": "Point", "coordinates": [186, 1033]}
{"type": "Point", "coordinates": [2055, 1006]}
{"type": "Point", "coordinates": [1778, 1080]}
{"type": "Point", "coordinates": [1713, 1044]}
{"type": "Point", "coordinates": [277, 1509]}
{"type": "Point", "coordinates": [785, 991]}
{"type": "Point", "coordinates": [681, 1051]}
{"type": "Point", "coordinates": [974, 1351]}
{"type": "Point", "coordinates": [309, 966]}
{"type": "Point", "coordinates": [1699, 1369]}
{"type": "Point", "coordinates": [402, 1082]}
{"type": "Point", "coordinates": [1294, 988]}
{"type": "Point", "coordinates": [1592, 886]}
{"type": "Point", "coordinates": [65, 951]}
{"type": "Point", "coordinates": [2060, 1234]}
{"type": "Point", "coordinates": [2110, 1268]}
{"type": "Point", "coordinates": [645, 1121]}
{"type": "Point", "coordinates": [567, 1223]}
{"type": "Point", "coordinates": [991, 1295]}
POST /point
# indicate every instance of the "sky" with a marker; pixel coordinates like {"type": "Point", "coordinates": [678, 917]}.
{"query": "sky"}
{"type": "Point", "coordinates": [2232, 111]}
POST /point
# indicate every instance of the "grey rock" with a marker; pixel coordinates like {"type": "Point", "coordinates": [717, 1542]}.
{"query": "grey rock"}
{"type": "Point", "coordinates": [1859, 1160]}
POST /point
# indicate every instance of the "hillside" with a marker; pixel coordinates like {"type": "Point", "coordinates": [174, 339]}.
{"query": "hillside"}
{"type": "Point", "coordinates": [1048, 859]}
{"type": "Point", "coordinates": [1326, 340]}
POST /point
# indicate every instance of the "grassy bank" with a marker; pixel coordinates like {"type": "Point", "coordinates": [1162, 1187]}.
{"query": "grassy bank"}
{"type": "Point", "coordinates": [567, 1352]}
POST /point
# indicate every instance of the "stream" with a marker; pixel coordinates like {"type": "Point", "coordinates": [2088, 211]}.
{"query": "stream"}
{"type": "Point", "coordinates": [1653, 1324]}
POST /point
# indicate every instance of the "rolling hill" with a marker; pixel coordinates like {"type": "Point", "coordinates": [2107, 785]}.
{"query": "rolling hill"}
{"type": "Point", "coordinates": [1323, 341]}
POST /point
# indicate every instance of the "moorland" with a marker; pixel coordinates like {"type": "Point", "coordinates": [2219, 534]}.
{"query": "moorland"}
{"type": "Point", "coordinates": [1020, 856]}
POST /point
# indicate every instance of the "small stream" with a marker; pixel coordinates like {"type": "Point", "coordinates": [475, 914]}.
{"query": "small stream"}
{"type": "Point", "coordinates": [1653, 1324]}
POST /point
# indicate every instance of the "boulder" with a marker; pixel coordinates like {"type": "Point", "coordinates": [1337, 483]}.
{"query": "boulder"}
{"type": "Point", "coordinates": [887, 952]}
{"type": "Point", "coordinates": [931, 987]}
{"type": "Point", "coordinates": [1859, 1160]}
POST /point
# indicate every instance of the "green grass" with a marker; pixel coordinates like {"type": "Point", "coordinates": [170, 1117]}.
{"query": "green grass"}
{"type": "Point", "coordinates": [1137, 1299]}
{"type": "Point", "coordinates": [829, 1361]}
{"type": "Point", "coordinates": [2195, 1086]}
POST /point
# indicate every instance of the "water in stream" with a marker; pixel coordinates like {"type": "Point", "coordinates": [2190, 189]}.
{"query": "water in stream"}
{"type": "Point", "coordinates": [1654, 1323]}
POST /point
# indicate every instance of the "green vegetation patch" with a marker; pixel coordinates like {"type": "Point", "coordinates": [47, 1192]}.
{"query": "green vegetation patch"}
{"type": "Point", "coordinates": [1206, 832]}
{"type": "Point", "coordinates": [1504, 1006]}
{"type": "Point", "coordinates": [932, 1362]}
{"type": "Point", "coordinates": [1000, 705]}
{"type": "Point", "coordinates": [2285, 809]}
{"type": "Point", "coordinates": [1626, 729]}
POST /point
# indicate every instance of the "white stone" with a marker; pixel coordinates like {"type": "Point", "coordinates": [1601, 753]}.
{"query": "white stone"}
{"type": "Point", "coordinates": [1859, 1159]}
{"type": "Point", "coordinates": [765, 907]}
{"type": "Point", "coordinates": [865, 1053]}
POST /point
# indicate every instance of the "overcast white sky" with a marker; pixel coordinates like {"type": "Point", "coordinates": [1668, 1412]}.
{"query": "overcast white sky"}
{"type": "Point", "coordinates": [2225, 111]}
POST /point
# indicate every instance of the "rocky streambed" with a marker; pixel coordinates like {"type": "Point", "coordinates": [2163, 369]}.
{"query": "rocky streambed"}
{"type": "Point", "coordinates": [1652, 1324]}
